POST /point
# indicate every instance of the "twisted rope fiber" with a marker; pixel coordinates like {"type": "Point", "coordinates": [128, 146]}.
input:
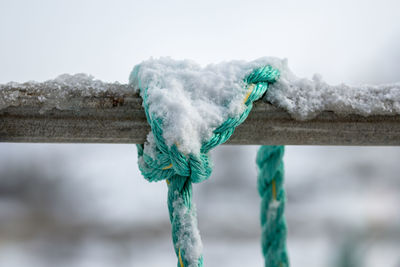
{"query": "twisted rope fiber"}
{"type": "Point", "coordinates": [180, 170]}
{"type": "Point", "coordinates": [270, 188]}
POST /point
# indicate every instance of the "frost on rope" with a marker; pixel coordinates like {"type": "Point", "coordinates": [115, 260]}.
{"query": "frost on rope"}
{"type": "Point", "coordinates": [64, 92]}
{"type": "Point", "coordinates": [272, 210]}
{"type": "Point", "coordinates": [305, 99]}
{"type": "Point", "coordinates": [188, 234]}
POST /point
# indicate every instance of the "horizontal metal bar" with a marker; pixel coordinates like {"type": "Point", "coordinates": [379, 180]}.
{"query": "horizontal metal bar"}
{"type": "Point", "coordinates": [117, 116]}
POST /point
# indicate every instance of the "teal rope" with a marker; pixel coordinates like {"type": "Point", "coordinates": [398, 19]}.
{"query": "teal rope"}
{"type": "Point", "coordinates": [270, 188]}
{"type": "Point", "coordinates": [180, 170]}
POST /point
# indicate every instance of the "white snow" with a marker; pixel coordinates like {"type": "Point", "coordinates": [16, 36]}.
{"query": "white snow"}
{"type": "Point", "coordinates": [150, 146]}
{"type": "Point", "coordinates": [61, 92]}
{"type": "Point", "coordinates": [188, 235]}
{"type": "Point", "coordinates": [305, 99]}
{"type": "Point", "coordinates": [271, 212]}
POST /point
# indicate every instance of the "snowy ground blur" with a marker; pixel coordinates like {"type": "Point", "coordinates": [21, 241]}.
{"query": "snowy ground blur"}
{"type": "Point", "coordinates": [87, 205]}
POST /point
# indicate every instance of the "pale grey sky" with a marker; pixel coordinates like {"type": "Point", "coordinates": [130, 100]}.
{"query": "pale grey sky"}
{"type": "Point", "coordinates": [349, 41]}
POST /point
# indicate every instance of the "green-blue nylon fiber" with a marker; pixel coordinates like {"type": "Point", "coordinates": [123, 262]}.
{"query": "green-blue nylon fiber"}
{"type": "Point", "coordinates": [270, 188]}
{"type": "Point", "coordinates": [181, 170]}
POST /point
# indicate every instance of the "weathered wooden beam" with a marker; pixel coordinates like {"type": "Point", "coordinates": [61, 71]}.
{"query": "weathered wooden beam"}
{"type": "Point", "coordinates": [116, 116]}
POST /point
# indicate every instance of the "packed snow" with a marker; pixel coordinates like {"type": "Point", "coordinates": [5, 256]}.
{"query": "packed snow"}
{"type": "Point", "coordinates": [193, 101]}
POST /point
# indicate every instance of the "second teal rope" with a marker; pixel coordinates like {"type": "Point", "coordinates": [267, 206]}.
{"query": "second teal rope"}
{"type": "Point", "coordinates": [270, 188]}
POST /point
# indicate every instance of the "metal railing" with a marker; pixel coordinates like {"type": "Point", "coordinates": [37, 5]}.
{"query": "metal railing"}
{"type": "Point", "coordinates": [118, 117]}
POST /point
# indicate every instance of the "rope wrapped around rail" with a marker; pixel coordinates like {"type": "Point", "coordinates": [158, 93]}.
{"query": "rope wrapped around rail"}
{"type": "Point", "coordinates": [180, 170]}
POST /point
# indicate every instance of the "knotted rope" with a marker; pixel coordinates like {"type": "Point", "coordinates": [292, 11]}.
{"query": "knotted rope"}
{"type": "Point", "coordinates": [273, 225]}
{"type": "Point", "coordinates": [180, 170]}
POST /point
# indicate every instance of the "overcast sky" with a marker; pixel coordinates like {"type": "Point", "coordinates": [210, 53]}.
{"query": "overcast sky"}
{"type": "Point", "coordinates": [349, 41]}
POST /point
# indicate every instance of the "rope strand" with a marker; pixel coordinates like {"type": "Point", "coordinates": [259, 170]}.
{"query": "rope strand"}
{"type": "Point", "coordinates": [270, 187]}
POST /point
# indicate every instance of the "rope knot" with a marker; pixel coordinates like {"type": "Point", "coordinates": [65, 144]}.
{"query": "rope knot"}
{"type": "Point", "coordinates": [163, 163]}
{"type": "Point", "coordinates": [197, 168]}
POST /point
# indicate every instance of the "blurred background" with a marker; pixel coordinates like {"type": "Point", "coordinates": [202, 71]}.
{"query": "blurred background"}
{"type": "Point", "coordinates": [87, 205]}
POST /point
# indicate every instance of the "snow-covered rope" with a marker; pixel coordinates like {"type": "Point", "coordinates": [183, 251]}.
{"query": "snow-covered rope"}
{"type": "Point", "coordinates": [159, 160]}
